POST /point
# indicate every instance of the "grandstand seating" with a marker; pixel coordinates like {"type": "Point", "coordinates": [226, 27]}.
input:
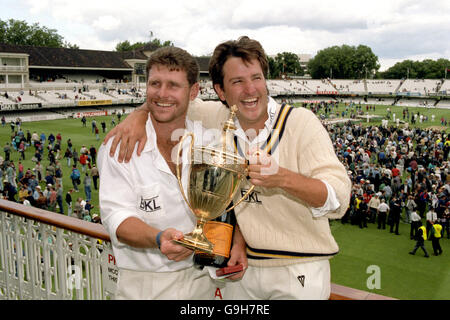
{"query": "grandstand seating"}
{"type": "Point", "coordinates": [319, 86]}
{"type": "Point", "coordinates": [443, 104]}
{"type": "Point", "coordinates": [349, 86]}
{"type": "Point", "coordinates": [445, 87]}
{"type": "Point", "coordinates": [382, 86]}
{"type": "Point", "coordinates": [382, 101]}
{"type": "Point", "coordinates": [33, 116]}
{"type": "Point", "coordinates": [415, 103]}
{"type": "Point", "coordinates": [61, 94]}
{"type": "Point", "coordinates": [419, 87]}
{"type": "Point", "coordinates": [4, 100]}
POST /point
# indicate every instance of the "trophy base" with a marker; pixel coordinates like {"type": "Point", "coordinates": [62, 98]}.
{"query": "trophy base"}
{"type": "Point", "coordinates": [196, 244]}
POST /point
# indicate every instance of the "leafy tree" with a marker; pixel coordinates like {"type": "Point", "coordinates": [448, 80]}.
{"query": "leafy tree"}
{"type": "Point", "coordinates": [273, 68]}
{"type": "Point", "coordinates": [426, 69]}
{"type": "Point", "coordinates": [400, 70]}
{"type": "Point", "coordinates": [284, 63]}
{"type": "Point", "coordinates": [344, 62]}
{"type": "Point", "coordinates": [127, 46]}
{"type": "Point", "coordinates": [19, 32]}
{"type": "Point", "coordinates": [289, 64]}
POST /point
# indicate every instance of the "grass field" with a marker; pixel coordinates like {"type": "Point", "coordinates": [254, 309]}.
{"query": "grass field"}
{"type": "Point", "coordinates": [402, 276]}
{"type": "Point", "coordinates": [398, 112]}
{"type": "Point", "coordinates": [69, 128]}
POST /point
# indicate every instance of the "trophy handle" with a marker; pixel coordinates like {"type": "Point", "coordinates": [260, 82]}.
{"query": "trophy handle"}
{"type": "Point", "coordinates": [180, 150]}
{"type": "Point", "coordinates": [242, 199]}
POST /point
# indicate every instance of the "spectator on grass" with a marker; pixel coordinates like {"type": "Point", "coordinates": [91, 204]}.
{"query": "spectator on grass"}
{"type": "Point", "coordinates": [446, 223]}
{"type": "Point", "coordinates": [394, 214]}
{"type": "Point", "coordinates": [87, 186]}
{"type": "Point", "coordinates": [95, 176]}
{"type": "Point", "coordinates": [421, 236]}
{"type": "Point", "coordinates": [23, 193]}
{"type": "Point", "coordinates": [43, 137]}
{"type": "Point", "coordinates": [51, 198]}
{"type": "Point", "coordinates": [83, 161]}
{"type": "Point", "coordinates": [9, 191]}
{"type": "Point", "coordinates": [7, 151]}
{"type": "Point", "coordinates": [93, 154]}
{"type": "Point", "coordinates": [34, 138]}
{"type": "Point", "coordinates": [94, 125]}
{"type": "Point", "coordinates": [41, 201]}
{"type": "Point", "coordinates": [68, 155]}
{"type": "Point", "coordinates": [75, 157]}
{"type": "Point", "coordinates": [58, 138]}
{"type": "Point", "coordinates": [382, 211]}
{"type": "Point", "coordinates": [68, 200]}
{"type": "Point", "coordinates": [431, 219]}
{"type": "Point", "coordinates": [78, 210]}
{"type": "Point", "coordinates": [69, 145]}
{"type": "Point", "coordinates": [30, 199]}
{"type": "Point", "coordinates": [36, 193]}
{"type": "Point", "coordinates": [75, 177]}
{"type": "Point", "coordinates": [435, 237]}
{"type": "Point", "coordinates": [51, 140]}
{"type": "Point", "coordinates": [410, 207]}
{"type": "Point", "coordinates": [39, 170]}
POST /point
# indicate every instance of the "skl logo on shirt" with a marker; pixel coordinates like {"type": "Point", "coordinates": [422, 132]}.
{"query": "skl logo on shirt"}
{"type": "Point", "coordinates": [252, 197]}
{"type": "Point", "coordinates": [149, 205]}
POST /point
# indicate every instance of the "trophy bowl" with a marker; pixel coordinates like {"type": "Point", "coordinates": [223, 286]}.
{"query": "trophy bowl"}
{"type": "Point", "coordinates": [214, 179]}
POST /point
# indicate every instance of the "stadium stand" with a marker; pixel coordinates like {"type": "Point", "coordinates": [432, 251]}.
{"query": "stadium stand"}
{"type": "Point", "coordinates": [445, 87]}
{"type": "Point", "coordinates": [350, 86]}
{"type": "Point", "coordinates": [319, 86]}
{"type": "Point", "coordinates": [72, 78]}
{"type": "Point", "coordinates": [420, 87]}
{"type": "Point", "coordinates": [382, 86]}
{"type": "Point", "coordinates": [443, 104]}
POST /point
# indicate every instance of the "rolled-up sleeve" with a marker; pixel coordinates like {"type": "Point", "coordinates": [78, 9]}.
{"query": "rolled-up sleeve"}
{"type": "Point", "coordinates": [331, 204]}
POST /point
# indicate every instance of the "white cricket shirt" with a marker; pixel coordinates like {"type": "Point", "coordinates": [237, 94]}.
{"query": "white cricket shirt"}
{"type": "Point", "coordinates": [145, 188]}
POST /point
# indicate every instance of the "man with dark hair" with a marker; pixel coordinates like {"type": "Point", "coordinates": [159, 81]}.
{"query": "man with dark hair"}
{"type": "Point", "coordinates": [299, 180]}
{"type": "Point", "coordinates": [394, 214]}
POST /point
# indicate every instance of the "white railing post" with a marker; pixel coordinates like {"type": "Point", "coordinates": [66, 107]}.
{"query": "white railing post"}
{"type": "Point", "coordinates": [32, 261]}
{"type": "Point", "coordinates": [63, 276]}
{"type": "Point", "coordinates": [4, 280]}
{"type": "Point", "coordinates": [41, 261]}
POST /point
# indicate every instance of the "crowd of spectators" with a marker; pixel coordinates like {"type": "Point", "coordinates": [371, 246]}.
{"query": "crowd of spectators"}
{"type": "Point", "coordinates": [42, 185]}
{"type": "Point", "coordinates": [396, 173]}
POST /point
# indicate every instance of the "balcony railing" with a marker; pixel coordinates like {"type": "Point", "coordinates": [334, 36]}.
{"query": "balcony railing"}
{"type": "Point", "coordinates": [46, 255]}
{"type": "Point", "coordinates": [14, 68]}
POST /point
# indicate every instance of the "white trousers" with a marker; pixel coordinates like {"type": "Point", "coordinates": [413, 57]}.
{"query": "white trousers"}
{"type": "Point", "coordinates": [301, 281]}
{"type": "Point", "coordinates": [187, 284]}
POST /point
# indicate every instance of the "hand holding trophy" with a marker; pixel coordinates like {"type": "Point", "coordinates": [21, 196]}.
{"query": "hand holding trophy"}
{"type": "Point", "coordinates": [214, 178]}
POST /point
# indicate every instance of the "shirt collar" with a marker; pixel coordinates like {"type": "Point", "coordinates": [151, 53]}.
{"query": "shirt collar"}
{"type": "Point", "coordinates": [151, 144]}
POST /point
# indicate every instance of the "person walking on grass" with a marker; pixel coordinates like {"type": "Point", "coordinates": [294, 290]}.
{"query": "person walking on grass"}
{"type": "Point", "coordinates": [421, 236]}
{"type": "Point", "coordinates": [435, 236]}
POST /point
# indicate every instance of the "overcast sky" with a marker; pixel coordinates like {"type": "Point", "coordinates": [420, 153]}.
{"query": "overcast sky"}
{"type": "Point", "coordinates": [395, 30]}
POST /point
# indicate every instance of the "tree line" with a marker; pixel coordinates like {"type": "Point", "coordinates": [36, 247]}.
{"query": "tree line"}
{"type": "Point", "coordinates": [337, 62]}
{"type": "Point", "coordinates": [19, 32]}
